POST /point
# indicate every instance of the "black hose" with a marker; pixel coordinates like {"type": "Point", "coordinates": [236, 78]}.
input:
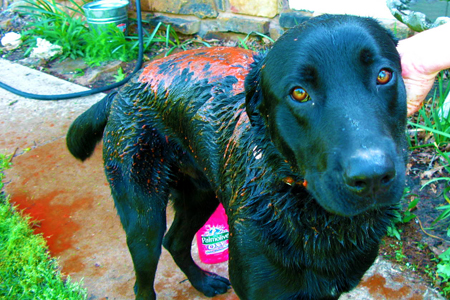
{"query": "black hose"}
{"type": "Point", "coordinates": [93, 91]}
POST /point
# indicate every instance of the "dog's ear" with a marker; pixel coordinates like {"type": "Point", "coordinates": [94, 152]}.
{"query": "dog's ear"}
{"type": "Point", "coordinates": [253, 95]}
{"type": "Point", "coordinates": [376, 28]}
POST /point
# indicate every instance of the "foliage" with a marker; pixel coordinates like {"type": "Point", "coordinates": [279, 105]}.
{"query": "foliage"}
{"type": "Point", "coordinates": [58, 24]}
{"type": "Point", "coordinates": [120, 75]}
{"type": "Point", "coordinates": [5, 163]}
{"type": "Point", "coordinates": [402, 217]}
{"type": "Point", "coordinates": [171, 39]}
{"type": "Point", "coordinates": [431, 128]}
{"type": "Point", "coordinates": [64, 26]}
{"type": "Point", "coordinates": [26, 269]}
{"type": "Point", "coordinates": [431, 119]}
{"type": "Point", "coordinates": [108, 44]}
{"type": "Point", "coordinates": [434, 122]}
{"type": "Point", "coordinates": [243, 42]}
{"type": "Point", "coordinates": [443, 270]}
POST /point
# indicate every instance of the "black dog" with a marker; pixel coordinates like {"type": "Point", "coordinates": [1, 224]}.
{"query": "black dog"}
{"type": "Point", "coordinates": [308, 160]}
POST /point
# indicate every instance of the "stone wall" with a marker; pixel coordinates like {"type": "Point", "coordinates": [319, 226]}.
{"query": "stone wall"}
{"type": "Point", "coordinates": [214, 18]}
{"type": "Point", "coordinates": [221, 18]}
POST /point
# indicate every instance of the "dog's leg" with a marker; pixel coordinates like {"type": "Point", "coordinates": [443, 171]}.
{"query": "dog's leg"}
{"type": "Point", "coordinates": [143, 216]}
{"type": "Point", "coordinates": [193, 206]}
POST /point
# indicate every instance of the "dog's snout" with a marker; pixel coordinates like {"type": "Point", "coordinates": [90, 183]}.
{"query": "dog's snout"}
{"type": "Point", "coordinates": [369, 172]}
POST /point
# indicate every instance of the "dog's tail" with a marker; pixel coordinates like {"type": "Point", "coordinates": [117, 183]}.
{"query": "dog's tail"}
{"type": "Point", "coordinates": [87, 130]}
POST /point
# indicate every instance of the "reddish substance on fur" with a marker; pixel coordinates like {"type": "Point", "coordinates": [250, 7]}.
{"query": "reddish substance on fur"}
{"type": "Point", "coordinates": [209, 63]}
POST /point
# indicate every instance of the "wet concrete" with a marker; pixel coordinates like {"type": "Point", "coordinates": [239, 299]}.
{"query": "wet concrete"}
{"type": "Point", "coordinates": [71, 205]}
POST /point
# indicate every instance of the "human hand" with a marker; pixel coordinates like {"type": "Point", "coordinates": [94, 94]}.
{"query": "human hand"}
{"type": "Point", "coordinates": [418, 81]}
{"type": "Point", "coordinates": [422, 57]}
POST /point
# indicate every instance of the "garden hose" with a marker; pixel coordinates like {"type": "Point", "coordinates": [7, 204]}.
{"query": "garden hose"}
{"type": "Point", "coordinates": [93, 91]}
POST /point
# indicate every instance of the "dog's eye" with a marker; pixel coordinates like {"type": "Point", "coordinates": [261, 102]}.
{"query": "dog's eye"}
{"type": "Point", "coordinates": [300, 95]}
{"type": "Point", "coordinates": [384, 76]}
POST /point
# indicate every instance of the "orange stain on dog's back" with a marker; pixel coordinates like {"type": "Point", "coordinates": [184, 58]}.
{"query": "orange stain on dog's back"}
{"type": "Point", "coordinates": [52, 219]}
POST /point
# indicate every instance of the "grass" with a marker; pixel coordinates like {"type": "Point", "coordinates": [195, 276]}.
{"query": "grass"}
{"type": "Point", "coordinates": [26, 269]}
{"type": "Point", "coordinates": [430, 119]}
{"type": "Point", "coordinates": [244, 41]}
{"type": "Point", "coordinates": [109, 44]}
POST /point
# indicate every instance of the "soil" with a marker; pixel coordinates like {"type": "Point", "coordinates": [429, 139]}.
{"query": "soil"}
{"type": "Point", "coordinates": [421, 240]}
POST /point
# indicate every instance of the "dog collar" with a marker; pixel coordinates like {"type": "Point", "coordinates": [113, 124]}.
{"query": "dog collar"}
{"type": "Point", "coordinates": [290, 181]}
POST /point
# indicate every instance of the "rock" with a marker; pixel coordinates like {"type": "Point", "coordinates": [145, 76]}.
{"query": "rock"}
{"type": "Point", "coordinates": [168, 6]}
{"type": "Point", "coordinates": [45, 50]}
{"type": "Point", "coordinates": [187, 25]}
{"type": "Point", "coordinates": [69, 66]}
{"type": "Point", "coordinates": [11, 40]}
{"type": "Point", "coordinates": [221, 5]}
{"type": "Point", "coordinates": [387, 281]}
{"type": "Point", "coordinates": [199, 8]}
{"type": "Point", "coordinates": [399, 29]}
{"type": "Point", "coordinates": [32, 62]}
{"type": "Point", "coordinates": [275, 30]}
{"type": "Point", "coordinates": [227, 22]}
{"type": "Point", "coordinates": [439, 249]}
{"type": "Point", "coordinates": [95, 73]}
{"type": "Point", "coordinates": [229, 39]}
{"type": "Point", "coordinates": [5, 24]}
{"type": "Point", "coordinates": [267, 8]}
{"type": "Point", "coordinates": [291, 19]}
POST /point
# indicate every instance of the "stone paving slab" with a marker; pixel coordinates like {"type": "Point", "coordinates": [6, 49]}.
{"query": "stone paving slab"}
{"type": "Point", "coordinates": [25, 123]}
{"type": "Point", "coordinates": [77, 216]}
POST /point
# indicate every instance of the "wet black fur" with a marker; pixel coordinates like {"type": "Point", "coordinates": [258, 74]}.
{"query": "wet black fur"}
{"type": "Point", "coordinates": [286, 241]}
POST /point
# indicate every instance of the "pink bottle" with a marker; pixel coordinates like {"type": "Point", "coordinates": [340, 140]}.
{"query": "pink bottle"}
{"type": "Point", "coordinates": [212, 238]}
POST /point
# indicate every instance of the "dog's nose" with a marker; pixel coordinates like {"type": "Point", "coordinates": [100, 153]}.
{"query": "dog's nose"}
{"type": "Point", "coordinates": [369, 172]}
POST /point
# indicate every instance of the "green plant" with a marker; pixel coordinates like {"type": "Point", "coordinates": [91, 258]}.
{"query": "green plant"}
{"type": "Point", "coordinates": [173, 41]}
{"type": "Point", "coordinates": [5, 163]}
{"type": "Point", "coordinates": [78, 73]}
{"type": "Point", "coordinates": [431, 119]}
{"type": "Point", "coordinates": [402, 217]}
{"type": "Point", "coordinates": [445, 214]}
{"type": "Point", "coordinates": [397, 247]}
{"type": "Point", "coordinates": [443, 270]}
{"type": "Point", "coordinates": [108, 44]}
{"type": "Point", "coordinates": [58, 24]}
{"type": "Point", "coordinates": [393, 230]}
{"type": "Point", "coordinates": [63, 26]}
{"type": "Point", "coordinates": [165, 35]}
{"type": "Point", "coordinates": [435, 123]}
{"type": "Point", "coordinates": [243, 42]}
{"type": "Point", "coordinates": [120, 75]}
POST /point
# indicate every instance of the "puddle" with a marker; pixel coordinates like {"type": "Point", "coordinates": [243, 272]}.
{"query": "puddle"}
{"type": "Point", "coordinates": [51, 219]}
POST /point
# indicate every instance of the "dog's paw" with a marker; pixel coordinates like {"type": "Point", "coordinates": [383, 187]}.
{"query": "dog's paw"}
{"type": "Point", "coordinates": [212, 284]}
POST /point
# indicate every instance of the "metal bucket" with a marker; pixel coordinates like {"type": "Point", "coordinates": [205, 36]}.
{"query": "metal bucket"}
{"type": "Point", "coordinates": [100, 14]}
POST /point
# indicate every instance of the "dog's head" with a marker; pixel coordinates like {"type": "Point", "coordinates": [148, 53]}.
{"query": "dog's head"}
{"type": "Point", "coordinates": [331, 96]}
